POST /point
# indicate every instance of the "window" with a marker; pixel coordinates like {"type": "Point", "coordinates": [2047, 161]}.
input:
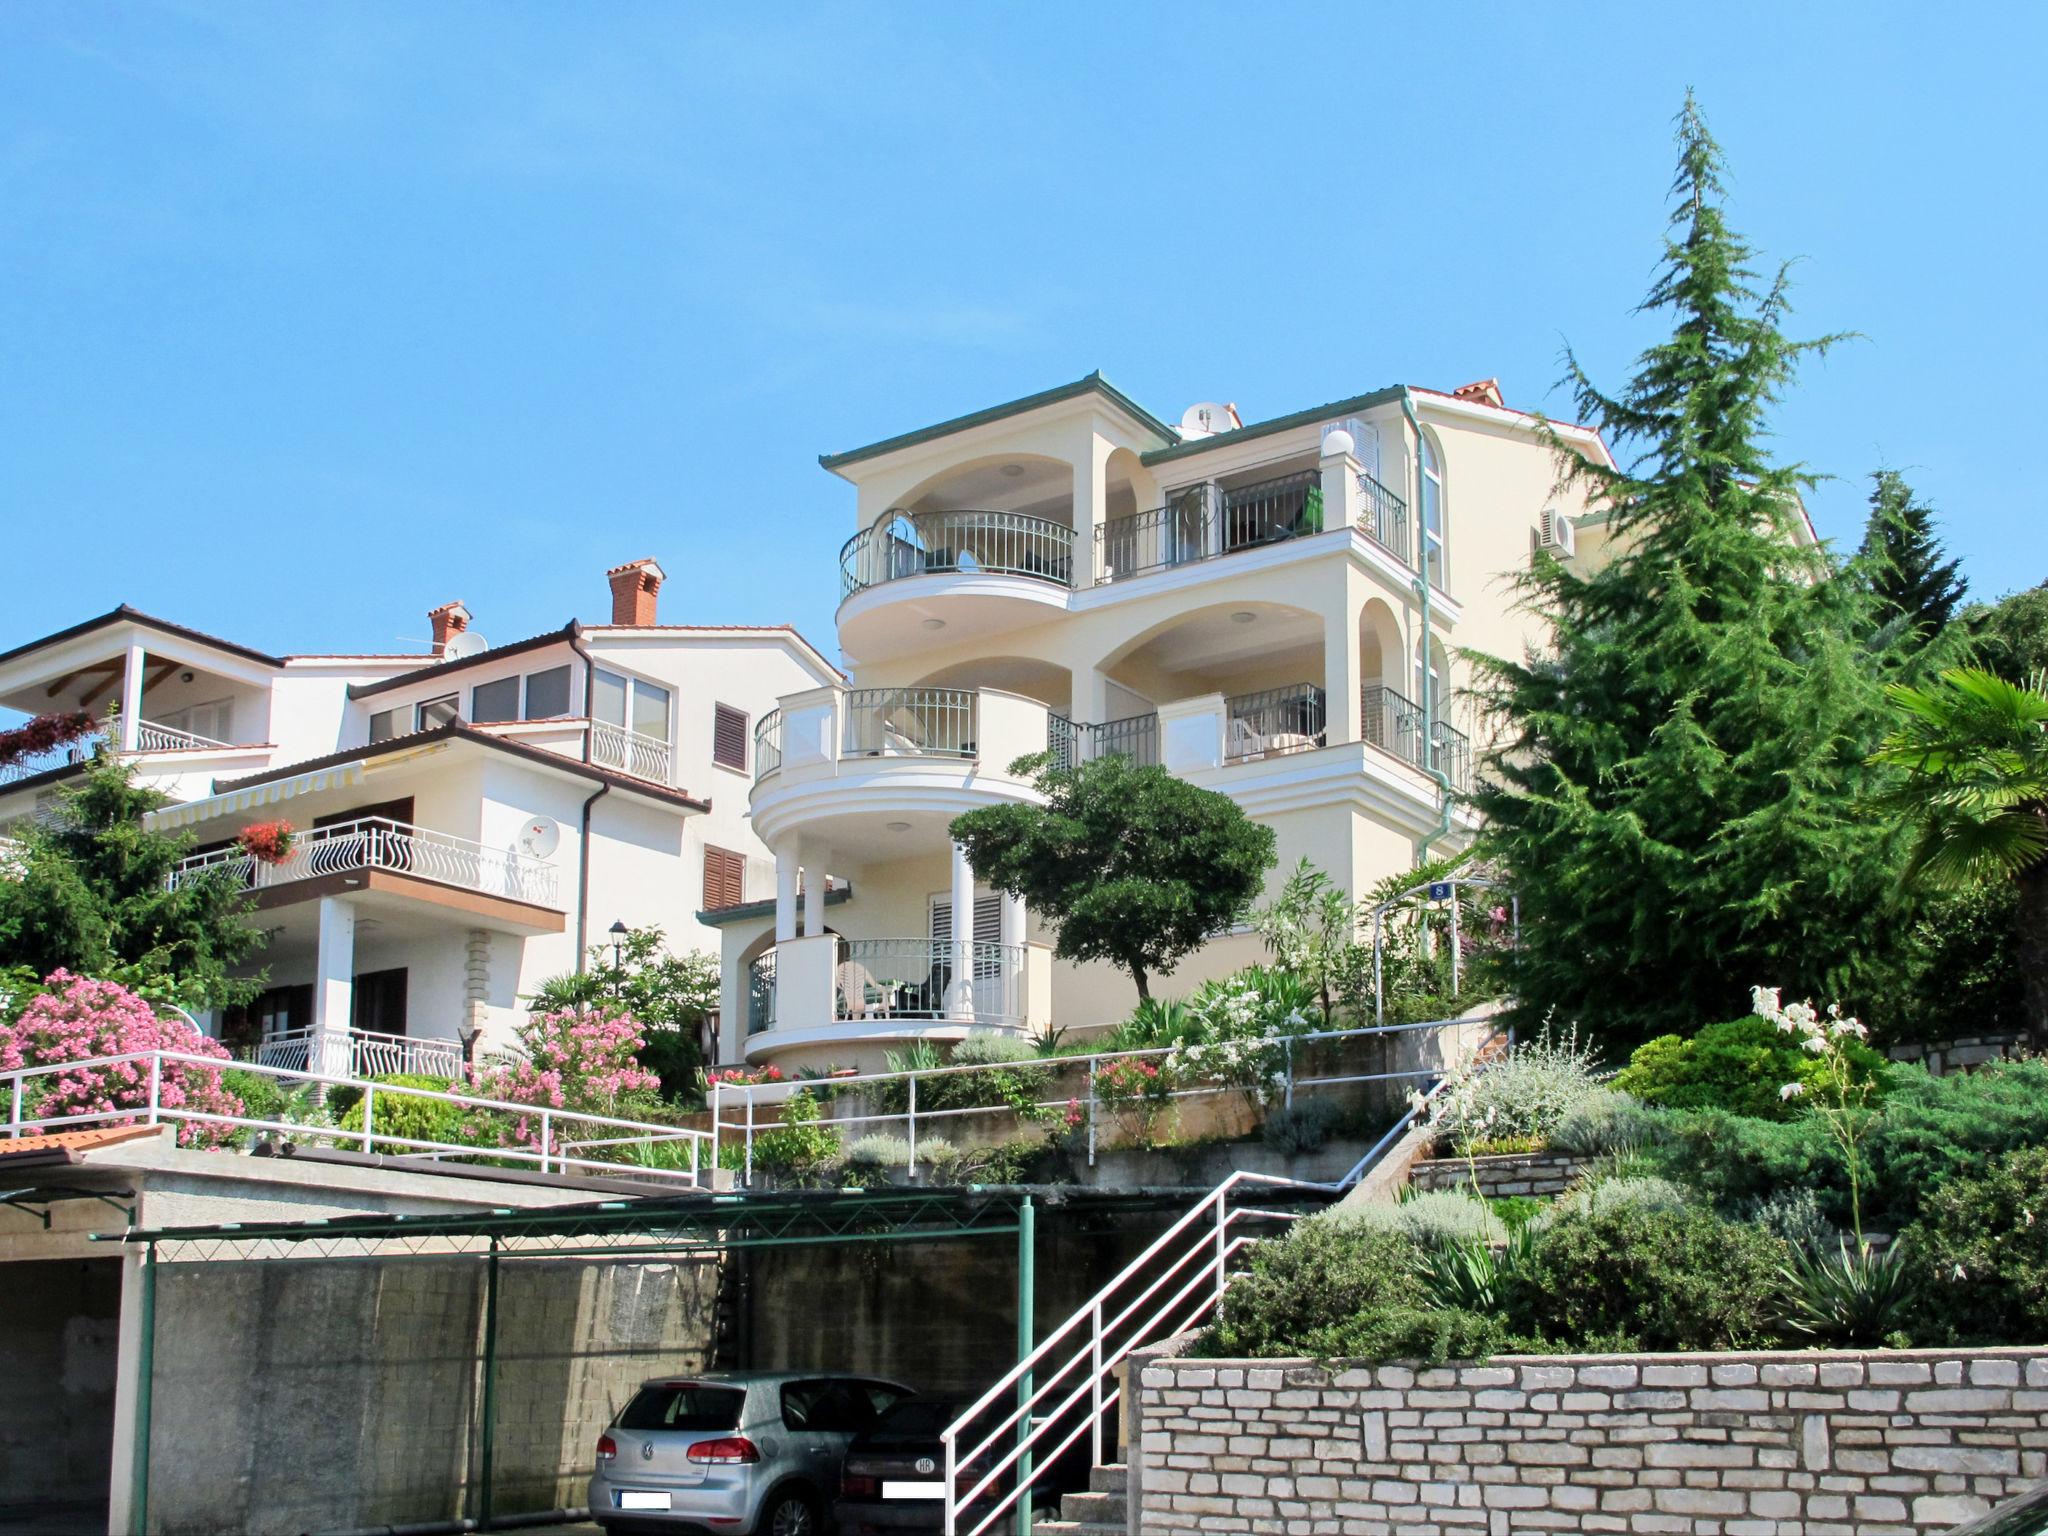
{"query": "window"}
{"type": "Point", "coordinates": [213, 721]}
{"type": "Point", "coordinates": [379, 1002]}
{"type": "Point", "coordinates": [383, 725]}
{"type": "Point", "coordinates": [725, 878]}
{"type": "Point", "coordinates": [685, 1405]}
{"type": "Point", "coordinates": [496, 700]}
{"type": "Point", "coordinates": [620, 700]}
{"type": "Point", "coordinates": [729, 737]}
{"type": "Point", "coordinates": [1432, 511]}
{"type": "Point", "coordinates": [436, 712]}
{"type": "Point", "coordinates": [608, 697]}
{"type": "Point", "coordinates": [547, 694]}
{"type": "Point", "coordinates": [650, 710]}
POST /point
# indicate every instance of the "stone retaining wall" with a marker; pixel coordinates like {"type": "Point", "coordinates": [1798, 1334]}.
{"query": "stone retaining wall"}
{"type": "Point", "coordinates": [1941, 1057]}
{"type": "Point", "coordinates": [1524, 1173]}
{"type": "Point", "coordinates": [1812, 1444]}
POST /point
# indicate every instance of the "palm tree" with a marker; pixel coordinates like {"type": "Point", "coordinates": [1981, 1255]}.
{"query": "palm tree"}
{"type": "Point", "coordinates": [1974, 748]}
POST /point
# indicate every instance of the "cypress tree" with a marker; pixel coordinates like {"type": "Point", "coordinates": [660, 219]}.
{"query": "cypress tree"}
{"type": "Point", "coordinates": [1675, 788]}
{"type": "Point", "coordinates": [1906, 571]}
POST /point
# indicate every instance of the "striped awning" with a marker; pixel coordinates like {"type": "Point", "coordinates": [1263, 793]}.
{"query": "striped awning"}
{"type": "Point", "coordinates": [255, 796]}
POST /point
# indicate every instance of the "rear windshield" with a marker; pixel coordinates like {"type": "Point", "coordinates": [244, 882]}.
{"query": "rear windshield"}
{"type": "Point", "coordinates": [915, 1418]}
{"type": "Point", "coordinates": [684, 1405]}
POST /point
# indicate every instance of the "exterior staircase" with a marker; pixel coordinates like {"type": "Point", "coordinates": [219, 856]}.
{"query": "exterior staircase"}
{"type": "Point", "coordinates": [1101, 1511]}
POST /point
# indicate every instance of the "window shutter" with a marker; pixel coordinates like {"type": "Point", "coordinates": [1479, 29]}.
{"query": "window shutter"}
{"type": "Point", "coordinates": [729, 737]}
{"type": "Point", "coordinates": [988, 918]}
{"type": "Point", "coordinates": [725, 875]}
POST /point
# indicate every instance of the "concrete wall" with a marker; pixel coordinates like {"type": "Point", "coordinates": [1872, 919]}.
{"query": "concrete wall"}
{"type": "Point", "coordinates": [320, 1395]}
{"type": "Point", "coordinates": [58, 1331]}
{"type": "Point", "coordinates": [1813, 1444]}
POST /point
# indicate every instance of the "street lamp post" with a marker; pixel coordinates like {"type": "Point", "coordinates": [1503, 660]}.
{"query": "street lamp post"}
{"type": "Point", "coordinates": [618, 933]}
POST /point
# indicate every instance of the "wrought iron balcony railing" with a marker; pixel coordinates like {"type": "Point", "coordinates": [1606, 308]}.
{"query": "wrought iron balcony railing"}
{"type": "Point", "coordinates": [941, 543]}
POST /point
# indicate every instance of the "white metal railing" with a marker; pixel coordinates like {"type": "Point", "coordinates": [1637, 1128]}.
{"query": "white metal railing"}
{"type": "Point", "coordinates": [544, 1143]}
{"type": "Point", "coordinates": [368, 1053]}
{"type": "Point", "coordinates": [931, 1096]}
{"type": "Point", "coordinates": [376, 843]}
{"type": "Point", "coordinates": [632, 752]}
{"type": "Point", "coordinates": [151, 737]}
{"type": "Point", "coordinates": [767, 744]}
{"type": "Point", "coordinates": [915, 979]}
{"type": "Point", "coordinates": [909, 722]}
{"type": "Point", "coordinates": [928, 543]}
{"type": "Point", "coordinates": [62, 756]}
{"type": "Point", "coordinates": [1066, 1386]}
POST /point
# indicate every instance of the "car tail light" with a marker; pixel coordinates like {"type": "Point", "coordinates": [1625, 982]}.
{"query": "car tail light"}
{"type": "Point", "coordinates": [727, 1451]}
{"type": "Point", "coordinates": [607, 1448]}
{"type": "Point", "coordinates": [857, 1485]}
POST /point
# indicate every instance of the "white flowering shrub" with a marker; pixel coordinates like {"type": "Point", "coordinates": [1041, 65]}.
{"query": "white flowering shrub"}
{"type": "Point", "coordinates": [1236, 1034]}
{"type": "Point", "coordinates": [1431, 1217]}
{"type": "Point", "coordinates": [1517, 1100]}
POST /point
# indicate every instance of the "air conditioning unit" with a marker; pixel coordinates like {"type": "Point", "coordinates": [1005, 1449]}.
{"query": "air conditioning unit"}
{"type": "Point", "coordinates": [1556, 534]}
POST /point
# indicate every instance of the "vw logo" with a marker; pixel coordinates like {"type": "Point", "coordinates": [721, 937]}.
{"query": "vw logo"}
{"type": "Point", "coordinates": [647, 1450]}
{"type": "Point", "coordinates": [926, 1466]}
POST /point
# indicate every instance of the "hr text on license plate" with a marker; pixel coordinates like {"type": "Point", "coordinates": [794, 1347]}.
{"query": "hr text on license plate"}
{"type": "Point", "coordinates": [633, 1498]}
{"type": "Point", "coordinates": [894, 1490]}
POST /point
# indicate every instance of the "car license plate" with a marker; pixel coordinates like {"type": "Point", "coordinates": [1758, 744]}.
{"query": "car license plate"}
{"type": "Point", "coordinates": [633, 1498]}
{"type": "Point", "coordinates": [894, 1490]}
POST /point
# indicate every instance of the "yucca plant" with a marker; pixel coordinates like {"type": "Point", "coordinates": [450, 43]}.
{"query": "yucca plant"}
{"type": "Point", "coordinates": [1470, 1276]}
{"type": "Point", "coordinates": [1974, 748]}
{"type": "Point", "coordinates": [1858, 1295]}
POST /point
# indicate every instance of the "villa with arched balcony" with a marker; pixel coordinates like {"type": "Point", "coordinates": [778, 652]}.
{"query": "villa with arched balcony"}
{"type": "Point", "coordinates": [1276, 610]}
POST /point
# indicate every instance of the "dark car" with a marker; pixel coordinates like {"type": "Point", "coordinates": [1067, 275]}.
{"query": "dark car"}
{"type": "Point", "coordinates": [894, 1475]}
{"type": "Point", "coordinates": [2026, 1515]}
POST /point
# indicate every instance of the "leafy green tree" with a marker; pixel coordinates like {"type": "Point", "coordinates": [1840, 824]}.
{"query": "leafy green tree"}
{"type": "Point", "coordinates": [669, 996]}
{"type": "Point", "coordinates": [1906, 569]}
{"type": "Point", "coordinates": [90, 893]}
{"type": "Point", "coordinates": [2011, 635]}
{"type": "Point", "coordinates": [1974, 749]}
{"type": "Point", "coordinates": [1131, 864]}
{"type": "Point", "coordinates": [1675, 793]}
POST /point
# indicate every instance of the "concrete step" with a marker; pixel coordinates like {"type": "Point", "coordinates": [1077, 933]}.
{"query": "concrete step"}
{"type": "Point", "coordinates": [1093, 1508]}
{"type": "Point", "coordinates": [1075, 1528]}
{"type": "Point", "coordinates": [1114, 1478]}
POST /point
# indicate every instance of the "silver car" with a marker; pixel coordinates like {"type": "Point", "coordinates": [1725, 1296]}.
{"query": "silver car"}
{"type": "Point", "coordinates": [755, 1452]}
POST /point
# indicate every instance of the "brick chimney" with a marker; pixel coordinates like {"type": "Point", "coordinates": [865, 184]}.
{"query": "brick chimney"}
{"type": "Point", "coordinates": [449, 620]}
{"type": "Point", "coordinates": [635, 586]}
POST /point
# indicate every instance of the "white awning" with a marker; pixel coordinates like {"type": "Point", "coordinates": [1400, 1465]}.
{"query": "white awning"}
{"type": "Point", "coordinates": [341, 776]}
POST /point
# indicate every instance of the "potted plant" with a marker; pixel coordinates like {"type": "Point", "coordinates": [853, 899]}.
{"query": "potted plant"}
{"type": "Point", "coordinates": [267, 842]}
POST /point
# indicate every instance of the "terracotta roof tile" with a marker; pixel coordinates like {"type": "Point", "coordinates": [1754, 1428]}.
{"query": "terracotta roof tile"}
{"type": "Point", "coordinates": [78, 1141]}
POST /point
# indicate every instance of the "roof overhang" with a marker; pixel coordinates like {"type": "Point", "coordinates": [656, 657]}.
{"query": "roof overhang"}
{"type": "Point", "coordinates": [1094, 384]}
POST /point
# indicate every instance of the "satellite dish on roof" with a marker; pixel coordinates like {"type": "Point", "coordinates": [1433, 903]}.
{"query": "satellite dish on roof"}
{"type": "Point", "coordinates": [540, 837]}
{"type": "Point", "coordinates": [464, 642]}
{"type": "Point", "coordinates": [1208, 417]}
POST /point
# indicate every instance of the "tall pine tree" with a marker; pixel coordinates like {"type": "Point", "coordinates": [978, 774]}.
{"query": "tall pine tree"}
{"type": "Point", "coordinates": [1904, 561]}
{"type": "Point", "coordinates": [1675, 791]}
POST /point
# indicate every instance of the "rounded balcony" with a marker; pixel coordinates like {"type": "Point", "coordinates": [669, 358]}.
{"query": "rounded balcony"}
{"type": "Point", "coordinates": [889, 768]}
{"type": "Point", "coordinates": [838, 991]}
{"type": "Point", "coordinates": [968, 573]}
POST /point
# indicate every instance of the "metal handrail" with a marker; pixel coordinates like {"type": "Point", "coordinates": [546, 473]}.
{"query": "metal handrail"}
{"type": "Point", "coordinates": [375, 842]}
{"type": "Point", "coordinates": [1391, 721]}
{"type": "Point", "coordinates": [956, 543]}
{"type": "Point", "coordinates": [767, 744]}
{"type": "Point", "coordinates": [1072, 742]}
{"type": "Point", "coordinates": [1205, 521]}
{"type": "Point", "coordinates": [548, 1153]}
{"type": "Point", "coordinates": [909, 722]}
{"type": "Point", "coordinates": [371, 1053]}
{"type": "Point", "coordinates": [761, 994]}
{"type": "Point", "coordinates": [916, 979]}
{"type": "Point", "coordinates": [1384, 518]}
{"type": "Point", "coordinates": [1274, 721]}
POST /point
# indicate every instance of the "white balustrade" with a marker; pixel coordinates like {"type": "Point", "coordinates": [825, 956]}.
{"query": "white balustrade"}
{"type": "Point", "coordinates": [631, 752]}
{"type": "Point", "coordinates": [375, 843]}
{"type": "Point", "coordinates": [151, 737]}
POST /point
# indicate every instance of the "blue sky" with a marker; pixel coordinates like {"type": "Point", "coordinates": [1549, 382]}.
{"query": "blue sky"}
{"type": "Point", "coordinates": [314, 317]}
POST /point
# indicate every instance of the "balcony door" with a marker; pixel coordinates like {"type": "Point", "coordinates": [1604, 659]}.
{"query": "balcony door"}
{"type": "Point", "coordinates": [631, 703]}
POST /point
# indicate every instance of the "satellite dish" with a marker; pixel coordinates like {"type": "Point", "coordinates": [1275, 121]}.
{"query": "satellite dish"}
{"type": "Point", "coordinates": [1208, 417]}
{"type": "Point", "coordinates": [464, 642]}
{"type": "Point", "coordinates": [540, 837]}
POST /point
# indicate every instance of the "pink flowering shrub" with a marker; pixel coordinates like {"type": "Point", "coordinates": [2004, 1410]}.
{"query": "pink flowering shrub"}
{"type": "Point", "coordinates": [575, 1062]}
{"type": "Point", "coordinates": [78, 1019]}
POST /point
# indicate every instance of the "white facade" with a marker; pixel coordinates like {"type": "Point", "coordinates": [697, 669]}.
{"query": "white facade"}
{"type": "Point", "coordinates": [466, 822]}
{"type": "Point", "coordinates": [1068, 573]}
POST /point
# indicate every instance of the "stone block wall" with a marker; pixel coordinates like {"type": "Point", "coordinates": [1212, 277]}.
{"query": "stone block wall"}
{"type": "Point", "coordinates": [1807, 1444]}
{"type": "Point", "coordinates": [1542, 1174]}
{"type": "Point", "coordinates": [1941, 1057]}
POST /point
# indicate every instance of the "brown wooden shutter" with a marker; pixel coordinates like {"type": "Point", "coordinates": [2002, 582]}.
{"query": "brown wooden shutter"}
{"type": "Point", "coordinates": [725, 878]}
{"type": "Point", "coordinates": [729, 737]}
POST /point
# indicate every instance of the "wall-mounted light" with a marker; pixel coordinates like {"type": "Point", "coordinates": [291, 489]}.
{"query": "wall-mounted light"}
{"type": "Point", "coordinates": [897, 826]}
{"type": "Point", "coordinates": [1243, 616]}
{"type": "Point", "coordinates": [934, 623]}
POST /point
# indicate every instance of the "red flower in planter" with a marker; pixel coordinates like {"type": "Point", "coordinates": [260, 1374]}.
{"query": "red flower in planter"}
{"type": "Point", "coordinates": [267, 842]}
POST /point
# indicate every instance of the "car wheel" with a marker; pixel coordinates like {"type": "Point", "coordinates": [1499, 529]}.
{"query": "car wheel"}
{"type": "Point", "coordinates": [790, 1514]}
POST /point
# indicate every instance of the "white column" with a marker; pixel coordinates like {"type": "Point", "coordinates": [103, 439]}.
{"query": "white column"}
{"type": "Point", "coordinates": [1012, 980]}
{"type": "Point", "coordinates": [785, 893]}
{"type": "Point", "coordinates": [334, 986]}
{"type": "Point", "coordinates": [1342, 503]}
{"type": "Point", "coordinates": [815, 880]}
{"type": "Point", "coordinates": [1091, 497]}
{"type": "Point", "coordinates": [131, 697]}
{"type": "Point", "coordinates": [1343, 662]}
{"type": "Point", "coordinates": [960, 996]}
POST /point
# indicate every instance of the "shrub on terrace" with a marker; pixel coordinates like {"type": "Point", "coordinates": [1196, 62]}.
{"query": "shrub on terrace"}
{"type": "Point", "coordinates": [413, 1118]}
{"type": "Point", "coordinates": [1429, 1217]}
{"type": "Point", "coordinates": [77, 1019]}
{"type": "Point", "coordinates": [1607, 1125]}
{"type": "Point", "coordinates": [1982, 1245]}
{"type": "Point", "coordinates": [1740, 1065]}
{"type": "Point", "coordinates": [576, 1062]}
{"type": "Point", "coordinates": [1935, 1130]}
{"type": "Point", "coordinates": [1519, 1099]}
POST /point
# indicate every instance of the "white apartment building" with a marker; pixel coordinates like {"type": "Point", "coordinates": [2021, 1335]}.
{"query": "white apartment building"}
{"type": "Point", "coordinates": [467, 821]}
{"type": "Point", "coordinates": [1274, 610]}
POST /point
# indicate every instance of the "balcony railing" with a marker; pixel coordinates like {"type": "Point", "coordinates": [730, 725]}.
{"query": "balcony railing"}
{"type": "Point", "coordinates": [1274, 721]}
{"type": "Point", "coordinates": [631, 752]}
{"type": "Point", "coordinates": [151, 737]}
{"type": "Point", "coordinates": [1392, 721]}
{"type": "Point", "coordinates": [909, 722]}
{"type": "Point", "coordinates": [946, 543]}
{"type": "Point", "coordinates": [1384, 517]}
{"type": "Point", "coordinates": [360, 1053]}
{"type": "Point", "coordinates": [761, 994]}
{"type": "Point", "coordinates": [375, 843]}
{"type": "Point", "coordinates": [768, 744]}
{"type": "Point", "coordinates": [64, 756]}
{"type": "Point", "coordinates": [1071, 742]}
{"type": "Point", "coordinates": [881, 979]}
{"type": "Point", "coordinates": [1204, 522]}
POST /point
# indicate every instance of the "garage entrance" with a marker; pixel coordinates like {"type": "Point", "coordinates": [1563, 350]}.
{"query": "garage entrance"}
{"type": "Point", "coordinates": [59, 1336]}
